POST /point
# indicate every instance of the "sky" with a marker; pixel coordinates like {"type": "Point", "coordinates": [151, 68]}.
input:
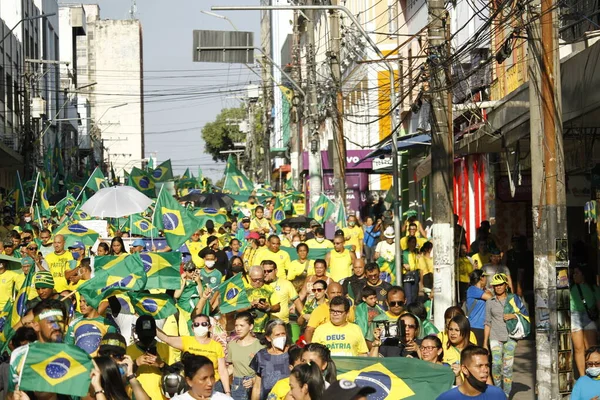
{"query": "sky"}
{"type": "Point", "coordinates": [181, 95]}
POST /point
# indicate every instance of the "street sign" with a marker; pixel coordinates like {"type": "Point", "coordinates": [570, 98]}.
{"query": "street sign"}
{"type": "Point", "coordinates": [229, 47]}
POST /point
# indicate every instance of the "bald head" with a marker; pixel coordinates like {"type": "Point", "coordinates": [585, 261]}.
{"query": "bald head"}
{"type": "Point", "coordinates": [257, 276]}
{"type": "Point", "coordinates": [358, 268]}
{"type": "Point", "coordinates": [334, 289]}
{"type": "Point", "coordinates": [59, 243]}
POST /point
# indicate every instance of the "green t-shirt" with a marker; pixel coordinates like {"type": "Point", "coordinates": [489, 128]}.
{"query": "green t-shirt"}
{"type": "Point", "coordinates": [240, 356]}
{"type": "Point", "coordinates": [261, 318]}
{"type": "Point", "coordinates": [590, 293]}
{"type": "Point", "coordinates": [211, 278]}
{"type": "Point", "coordinates": [189, 297]}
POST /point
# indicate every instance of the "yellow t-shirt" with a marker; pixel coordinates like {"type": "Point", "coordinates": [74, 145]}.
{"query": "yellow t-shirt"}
{"type": "Point", "coordinates": [340, 265]}
{"type": "Point", "coordinates": [280, 390]}
{"type": "Point", "coordinates": [452, 354]}
{"type": "Point", "coordinates": [320, 315]}
{"type": "Point", "coordinates": [296, 268]}
{"type": "Point", "coordinates": [354, 236]}
{"type": "Point", "coordinates": [479, 260]}
{"type": "Point", "coordinates": [58, 264]}
{"type": "Point", "coordinates": [425, 264]}
{"type": "Point", "coordinates": [347, 340]}
{"type": "Point", "coordinates": [313, 244]}
{"type": "Point", "coordinates": [262, 223]}
{"type": "Point", "coordinates": [10, 283]}
{"type": "Point", "coordinates": [404, 242]}
{"type": "Point", "coordinates": [212, 350]}
{"type": "Point", "coordinates": [464, 269]}
{"type": "Point", "coordinates": [150, 377]}
{"type": "Point", "coordinates": [281, 258]}
{"type": "Point", "coordinates": [194, 248]}
{"type": "Point", "coordinates": [284, 294]}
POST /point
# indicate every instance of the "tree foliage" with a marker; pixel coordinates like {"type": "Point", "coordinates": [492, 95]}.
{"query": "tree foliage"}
{"type": "Point", "coordinates": [220, 134]}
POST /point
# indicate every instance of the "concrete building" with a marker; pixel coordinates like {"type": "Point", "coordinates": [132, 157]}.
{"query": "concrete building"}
{"type": "Point", "coordinates": [113, 63]}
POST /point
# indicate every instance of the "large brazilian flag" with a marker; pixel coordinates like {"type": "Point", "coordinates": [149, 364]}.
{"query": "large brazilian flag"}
{"type": "Point", "coordinates": [396, 378]}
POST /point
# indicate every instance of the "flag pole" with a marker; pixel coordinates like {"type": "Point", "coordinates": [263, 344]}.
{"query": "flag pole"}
{"type": "Point", "coordinates": [37, 180]}
{"type": "Point", "coordinates": [154, 214]}
{"type": "Point", "coordinates": [21, 188]}
{"type": "Point", "coordinates": [86, 183]}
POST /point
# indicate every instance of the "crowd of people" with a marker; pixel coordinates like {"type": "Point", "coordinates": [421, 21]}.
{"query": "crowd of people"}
{"type": "Point", "coordinates": [302, 311]}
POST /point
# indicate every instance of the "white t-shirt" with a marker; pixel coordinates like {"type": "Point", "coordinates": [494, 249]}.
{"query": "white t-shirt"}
{"type": "Point", "coordinates": [386, 250]}
{"type": "Point", "coordinates": [215, 396]}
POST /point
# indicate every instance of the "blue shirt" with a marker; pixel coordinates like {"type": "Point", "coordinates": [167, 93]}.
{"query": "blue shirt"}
{"type": "Point", "coordinates": [370, 237]}
{"type": "Point", "coordinates": [585, 388]}
{"type": "Point", "coordinates": [491, 393]}
{"type": "Point", "coordinates": [477, 314]}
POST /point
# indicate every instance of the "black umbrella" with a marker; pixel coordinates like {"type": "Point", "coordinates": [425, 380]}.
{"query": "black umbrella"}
{"type": "Point", "coordinates": [300, 221]}
{"type": "Point", "coordinates": [209, 200]}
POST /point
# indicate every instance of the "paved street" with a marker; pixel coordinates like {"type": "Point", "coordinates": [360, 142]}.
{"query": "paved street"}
{"type": "Point", "coordinates": [524, 372]}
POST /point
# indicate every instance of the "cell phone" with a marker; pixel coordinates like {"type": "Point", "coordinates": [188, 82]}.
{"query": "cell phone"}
{"type": "Point", "coordinates": [402, 333]}
{"type": "Point", "coordinates": [263, 300]}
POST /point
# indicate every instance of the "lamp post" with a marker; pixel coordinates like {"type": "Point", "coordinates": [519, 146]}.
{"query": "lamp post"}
{"type": "Point", "coordinates": [394, 133]}
{"type": "Point", "coordinates": [23, 20]}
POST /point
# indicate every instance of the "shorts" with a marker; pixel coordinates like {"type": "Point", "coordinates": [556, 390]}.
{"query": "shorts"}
{"type": "Point", "coordinates": [581, 321]}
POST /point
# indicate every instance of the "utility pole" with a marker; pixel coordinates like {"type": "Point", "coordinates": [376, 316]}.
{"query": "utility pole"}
{"type": "Point", "coordinates": [28, 149]}
{"type": "Point", "coordinates": [314, 154]}
{"type": "Point", "coordinates": [548, 188]}
{"type": "Point", "coordinates": [442, 158]}
{"type": "Point", "coordinates": [339, 143]}
{"type": "Point", "coordinates": [296, 156]}
{"type": "Point", "coordinates": [267, 49]}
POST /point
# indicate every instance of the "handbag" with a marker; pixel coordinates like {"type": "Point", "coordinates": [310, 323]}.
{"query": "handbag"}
{"type": "Point", "coordinates": [591, 312]}
{"type": "Point", "coordinates": [410, 277]}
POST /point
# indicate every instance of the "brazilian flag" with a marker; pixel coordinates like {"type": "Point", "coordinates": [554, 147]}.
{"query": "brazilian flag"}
{"type": "Point", "coordinates": [77, 232]}
{"type": "Point", "coordinates": [125, 276]}
{"type": "Point", "coordinates": [396, 377]}
{"type": "Point", "coordinates": [52, 368]}
{"type": "Point", "coordinates": [313, 254]}
{"type": "Point", "coordinates": [158, 306]}
{"type": "Point", "coordinates": [142, 226]}
{"type": "Point", "coordinates": [278, 213]}
{"type": "Point", "coordinates": [219, 217]}
{"type": "Point", "coordinates": [142, 181]}
{"type": "Point", "coordinates": [233, 295]}
{"type": "Point", "coordinates": [107, 262]}
{"type": "Point", "coordinates": [341, 217]}
{"type": "Point", "coordinates": [322, 209]}
{"type": "Point", "coordinates": [235, 181]}
{"type": "Point", "coordinates": [177, 223]}
{"type": "Point", "coordinates": [187, 174]}
{"type": "Point", "coordinates": [162, 270]}
{"type": "Point", "coordinates": [387, 269]}
{"type": "Point", "coordinates": [43, 200]}
{"type": "Point", "coordinates": [163, 172]}
{"type": "Point", "coordinates": [96, 181]}
{"type": "Point", "coordinates": [67, 205]}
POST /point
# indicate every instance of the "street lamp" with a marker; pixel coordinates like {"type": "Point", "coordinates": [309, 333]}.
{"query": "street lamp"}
{"type": "Point", "coordinates": [394, 133]}
{"type": "Point", "coordinates": [23, 20]}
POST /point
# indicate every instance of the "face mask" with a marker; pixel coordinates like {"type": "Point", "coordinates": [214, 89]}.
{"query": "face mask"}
{"type": "Point", "coordinates": [295, 244]}
{"type": "Point", "coordinates": [209, 264]}
{"type": "Point", "coordinates": [593, 372]}
{"type": "Point", "coordinates": [75, 255]}
{"type": "Point", "coordinates": [27, 219]}
{"type": "Point", "coordinates": [320, 239]}
{"type": "Point", "coordinates": [279, 343]}
{"type": "Point", "coordinates": [476, 383]}
{"type": "Point", "coordinates": [352, 223]}
{"type": "Point", "coordinates": [201, 331]}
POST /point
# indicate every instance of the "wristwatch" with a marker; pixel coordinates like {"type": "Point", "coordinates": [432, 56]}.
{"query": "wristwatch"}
{"type": "Point", "coordinates": [130, 377]}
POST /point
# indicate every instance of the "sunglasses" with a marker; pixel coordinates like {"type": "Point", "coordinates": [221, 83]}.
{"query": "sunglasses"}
{"type": "Point", "coordinates": [411, 326]}
{"type": "Point", "coordinates": [32, 248]}
{"type": "Point", "coordinates": [396, 303]}
{"type": "Point", "coordinates": [26, 238]}
{"type": "Point", "coordinates": [319, 290]}
{"type": "Point", "coordinates": [44, 221]}
{"type": "Point", "coordinates": [197, 324]}
{"type": "Point", "coordinates": [268, 271]}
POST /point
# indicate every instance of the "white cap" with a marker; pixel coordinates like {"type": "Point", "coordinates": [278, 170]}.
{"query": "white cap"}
{"type": "Point", "coordinates": [389, 232]}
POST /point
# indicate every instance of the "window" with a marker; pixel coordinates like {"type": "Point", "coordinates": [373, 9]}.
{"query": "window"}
{"type": "Point", "coordinates": [9, 92]}
{"type": "Point", "coordinates": [2, 85]}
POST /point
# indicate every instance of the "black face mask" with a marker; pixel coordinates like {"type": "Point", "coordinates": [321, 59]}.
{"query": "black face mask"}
{"type": "Point", "coordinates": [476, 383]}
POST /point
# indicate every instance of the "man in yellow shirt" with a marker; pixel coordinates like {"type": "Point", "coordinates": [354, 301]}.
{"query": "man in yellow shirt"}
{"type": "Point", "coordinates": [340, 260]}
{"type": "Point", "coordinates": [259, 223]}
{"type": "Point", "coordinates": [284, 291]}
{"type": "Point", "coordinates": [58, 262]}
{"type": "Point", "coordinates": [194, 245]}
{"type": "Point", "coordinates": [10, 283]}
{"type": "Point", "coordinates": [320, 315]}
{"type": "Point", "coordinates": [341, 337]}
{"type": "Point", "coordinates": [274, 253]}
{"type": "Point", "coordinates": [354, 235]}
{"type": "Point", "coordinates": [319, 241]}
{"type": "Point", "coordinates": [412, 231]}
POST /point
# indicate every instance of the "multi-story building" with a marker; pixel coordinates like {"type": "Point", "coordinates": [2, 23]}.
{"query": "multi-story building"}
{"type": "Point", "coordinates": [113, 66]}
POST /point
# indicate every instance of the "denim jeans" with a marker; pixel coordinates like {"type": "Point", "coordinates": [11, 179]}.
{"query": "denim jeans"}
{"type": "Point", "coordinates": [238, 391]}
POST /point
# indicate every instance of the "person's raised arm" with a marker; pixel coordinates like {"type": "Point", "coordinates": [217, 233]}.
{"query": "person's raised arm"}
{"type": "Point", "coordinates": [174, 341]}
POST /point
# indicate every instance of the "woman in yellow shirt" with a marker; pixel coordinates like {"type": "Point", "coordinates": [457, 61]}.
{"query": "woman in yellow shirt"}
{"type": "Point", "coordinates": [202, 344]}
{"type": "Point", "coordinates": [425, 265]}
{"type": "Point", "coordinates": [299, 269]}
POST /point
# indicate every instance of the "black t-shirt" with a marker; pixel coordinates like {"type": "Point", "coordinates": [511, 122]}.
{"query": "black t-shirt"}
{"type": "Point", "coordinates": [392, 347]}
{"type": "Point", "coordinates": [355, 284]}
{"type": "Point", "coordinates": [381, 289]}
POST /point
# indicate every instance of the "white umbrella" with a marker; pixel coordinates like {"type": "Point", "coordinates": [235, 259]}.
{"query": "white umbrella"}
{"type": "Point", "coordinates": [116, 202]}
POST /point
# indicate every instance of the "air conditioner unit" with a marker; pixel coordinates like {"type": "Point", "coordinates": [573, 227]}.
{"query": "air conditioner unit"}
{"type": "Point", "coordinates": [38, 107]}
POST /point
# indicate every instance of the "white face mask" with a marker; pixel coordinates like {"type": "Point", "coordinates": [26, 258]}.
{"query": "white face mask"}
{"type": "Point", "coordinates": [27, 219]}
{"type": "Point", "coordinates": [209, 264]}
{"type": "Point", "coordinates": [201, 331]}
{"type": "Point", "coordinates": [295, 244]}
{"type": "Point", "coordinates": [320, 239]}
{"type": "Point", "coordinates": [279, 343]}
{"type": "Point", "coordinates": [594, 372]}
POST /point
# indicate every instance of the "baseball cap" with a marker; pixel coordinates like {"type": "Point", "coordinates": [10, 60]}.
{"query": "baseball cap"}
{"type": "Point", "coordinates": [499, 279]}
{"type": "Point", "coordinates": [138, 242]}
{"type": "Point", "coordinates": [252, 235]}
{"type": "Point", "coordinates": [77, 245]}
{"type": "Point", "coordinates": [43, 280]}
{"type": "Point", "coordinates": [27, 261]}
{"type": "Point", "coordinates": [346, 390]}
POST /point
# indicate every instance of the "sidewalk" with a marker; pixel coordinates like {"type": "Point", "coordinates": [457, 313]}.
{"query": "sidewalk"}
{"type": "Point", "coordinates": [524, 371]}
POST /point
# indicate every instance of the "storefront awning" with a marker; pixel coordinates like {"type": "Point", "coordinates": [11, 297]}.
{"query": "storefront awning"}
{"type": "Point", "coordinates": [404, 143]}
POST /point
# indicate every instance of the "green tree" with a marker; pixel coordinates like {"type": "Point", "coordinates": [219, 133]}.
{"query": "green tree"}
{"type": "Point", "coordinates": [220, 134]}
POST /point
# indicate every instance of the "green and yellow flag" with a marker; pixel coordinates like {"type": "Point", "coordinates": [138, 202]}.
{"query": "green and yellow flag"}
{"type": "Point", "coordinates": [142, 181]}
{"type": "Point", "coordinates": [14, 310]}
{"type": "Point", "coordinates": [158, 306]}
{"type": "Point", "coordinates": [43, 200]}
{"type": "Point", "coordinates": [322, 209]}
{"type": "Point", "coordinates": [396, 377]}
{"type": "Point", "coordinates": [163, 172]}
{"type": "Point", "coordinates": [123, 277]}
{"type": "Point", "coordinates": [96, 181]}
{"type": "Point", "coordinates": [341, 222]}
{"type": "Point", "coordinates": [278, 213]}
{"type": "Point", "coordinates": [177, 223]}
{"type": "Point", "coordinates": [162, 270]}
{"type": "Point", "coordinates": [142, 226]}
{"type": "Point", "coordinates": [233, 295]}
{"type": "Point", "coordinates": [77, 232]}
{"type": "Point", "coordinates": [51, 368]}
{"type": "Point", "coordinates": [235, 181]}
{"type": "Point", "coordinates": [219, 217]}
{"type": "Point", "coordinates": [67, 205]}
